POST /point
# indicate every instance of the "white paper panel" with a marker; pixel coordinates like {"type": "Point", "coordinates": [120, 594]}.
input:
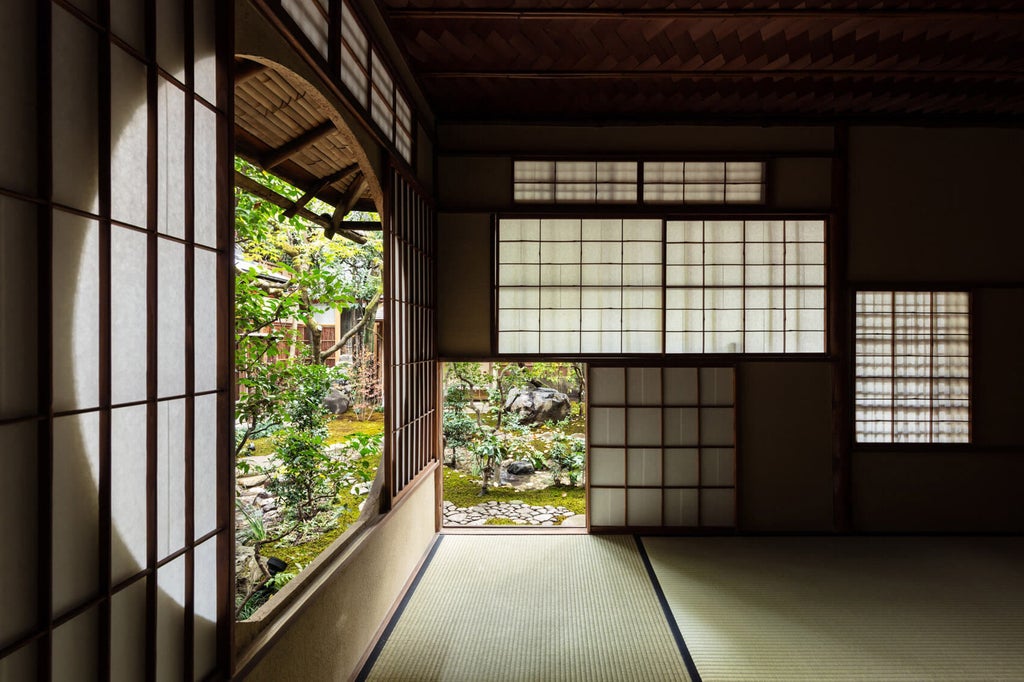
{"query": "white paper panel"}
{"type": "Point", "coordinates": [170, 621]}
{"type": "Point", "coordinates": [680, 385]}
{"type": "Point", "coordinates": [716, 386]}
{"type": "Point", "coordinates": [18, 500]}
{"type": "Point", "coordinates": [18, 309]}
{"type": "Point", "coordinates": [170, 39]}
{"type": "Point", "coordinates": [607, 466]}
{"type": "Point", "coordinates": [718, 507]}
{"type": "Point", "coordinates": [170, 318]}
{"type": "Point", "coordinates": [205, 608]}
{"type": "Point", "coordinates": [607, 386]}
{"type": "Point", "coordinates": [205, 176]}
{"type": "Point", "coordinates": [206, 479]}
{"type": "Point", "coordinates": [644, 385]}
{"type": "Point", "coordinates": [681, 466]}
{"type": "Point", "coordinates": [718, 466]}
{"type": "Point", "coordinates": [680, 507]}
{"type": "Point", "coordinates": [205, 311]}
{"type": "Point", "coordinates": [128, 131]}
{"type": "Point", "coordinates": [170, 463]}
{"type": "Point", "coordinates": [75, 312]}
{"type": "Point", "coordinates": [559, 342]}
{"type": "Point", "coordinates": [607, 507]}
{"type": "Point", "coordinates": [129, 315]}
{"type": "Point", "coordinates": [18, 108]}
{"type": "Point", "coordinates": [354, 55]}
{"type": "Point", "coordinates": [128, 490]}
{"type": "Point", "coordinates": [716, 426]}
{"type": "Point", "coordinates": [75, 113]}
{"type": "Point", "coordinates": [128, 633]}
{"type": "Point", "coordinates": [205, 46]}
{"type": "Point", "coordinates": [608, 426]}
{"type": "Point", "coordinates": [76, 453]}
{"type": "Point", "coordinates": [680, 425]}
{"type": "Point", "coordinates": [643, 426]}
{"type": "Point", "coordinates": [643, 466]}
{"type": "Point", "coordinates": [311, 22]}
{"type": "Point", "coordinates": [643, 507]}
{"type": "Point", "coordinates": [170, 159]}
{"type": "Point", "coordinates": [21, 665]}
{"type": "Point", "coordinates": [75, 647]}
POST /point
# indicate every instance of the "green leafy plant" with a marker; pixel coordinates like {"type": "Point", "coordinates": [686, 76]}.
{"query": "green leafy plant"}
{"type": "Point", "coordinates": [488, 453]}
{"type": "Point", "coordinates": [567, 454]}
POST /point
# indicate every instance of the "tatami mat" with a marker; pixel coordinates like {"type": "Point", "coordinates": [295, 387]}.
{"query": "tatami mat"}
{"type": "Point", "coordinates": [529, 607]}
{"type": "Point", "coordinates": [847, 608]}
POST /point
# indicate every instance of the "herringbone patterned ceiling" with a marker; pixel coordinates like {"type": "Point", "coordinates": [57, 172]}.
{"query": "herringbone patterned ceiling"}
{"type": "Point", "coordinates": [709, 60]}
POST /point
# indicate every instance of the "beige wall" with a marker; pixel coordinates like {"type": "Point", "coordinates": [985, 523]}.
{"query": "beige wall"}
{"type": "Point", "coordinates": [933, 204]}
{"type": "Point", "coordinates": [342, 616]}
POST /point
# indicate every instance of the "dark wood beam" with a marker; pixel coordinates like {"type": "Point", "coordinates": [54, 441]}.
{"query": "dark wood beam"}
{"type": "Point", "coordinates": [318, 187]}
{"type": "Point", "coordinates": [348, 201]}
{"type": "Point", "coordinates": [249, 185]}
{"type": "Point", "coordinates": [704, 74]}
{"type": "Point", "coordinates": [695, 13]}
{"type": "Point", "coordinates": [293, 147]}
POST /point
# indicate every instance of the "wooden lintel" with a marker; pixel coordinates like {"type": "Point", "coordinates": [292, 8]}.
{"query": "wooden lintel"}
{"type": "Point", "coordinates": [318, 187]}
{"type": "Point", "coordinates": [293, 147]}
{"type": "Point", "coordinates": [253, 187]}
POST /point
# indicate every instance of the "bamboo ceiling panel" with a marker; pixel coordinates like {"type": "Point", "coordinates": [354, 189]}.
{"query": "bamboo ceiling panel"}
{"type": "Point", "coordinates": [271, 114]}
{"type": "Point", "coordinates": [531, 59]}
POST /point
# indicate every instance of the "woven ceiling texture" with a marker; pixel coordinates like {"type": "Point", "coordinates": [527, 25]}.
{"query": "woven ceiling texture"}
{"type": "Point", "coordinates": [541, 60]}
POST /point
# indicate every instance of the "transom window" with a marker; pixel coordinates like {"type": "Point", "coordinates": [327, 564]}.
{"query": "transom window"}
{"type": "Point", "coordinates": [648, 285]}
{"type": "Point", "coordinates": [912, 367]}
{"type": "Point", "coordinates": [632, 182]}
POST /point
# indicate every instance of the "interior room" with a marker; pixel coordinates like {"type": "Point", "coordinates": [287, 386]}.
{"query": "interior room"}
{"type": "Point", "coordinates": [782, 237]}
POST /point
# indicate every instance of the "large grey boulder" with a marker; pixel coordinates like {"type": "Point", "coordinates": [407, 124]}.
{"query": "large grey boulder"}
{"type": "Point", "coordinates": [538, 405]}
{"type": "Point", "coordinates": [337, 401]}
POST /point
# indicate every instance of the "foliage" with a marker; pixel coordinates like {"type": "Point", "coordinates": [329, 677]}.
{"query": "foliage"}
{"type": "Point", "coordinates": [488, 451]}
{"type": "Point", "coordinates": [567, 454]}
{"type": "Point", "coordinates": [459, 430]}
{"type": "Point", "coordinates": [290, 272]}
{"type": "Point", "coordinates": [255, 530]}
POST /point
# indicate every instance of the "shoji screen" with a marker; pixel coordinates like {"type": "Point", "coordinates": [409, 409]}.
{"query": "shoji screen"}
{"type": "Point", "coordinates": [410, 377]}
{"type": "Point", "coordinates": [662, 447]}
{"type": "Point", "coordinates": [114, 308]}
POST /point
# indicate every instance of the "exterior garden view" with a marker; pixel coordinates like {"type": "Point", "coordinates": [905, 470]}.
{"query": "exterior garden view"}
{"type": "Point", "coordinates": [514, 444]}
{"type": "Point", "coordinates": [309, 425]}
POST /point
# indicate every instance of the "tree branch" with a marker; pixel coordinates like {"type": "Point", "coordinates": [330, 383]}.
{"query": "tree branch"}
{"type": "Point", "coordinates": [368, 314]}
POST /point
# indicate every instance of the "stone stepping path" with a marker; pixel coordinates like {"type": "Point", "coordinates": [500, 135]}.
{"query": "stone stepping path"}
{"type": "Point", "coordinates": [520, 512]}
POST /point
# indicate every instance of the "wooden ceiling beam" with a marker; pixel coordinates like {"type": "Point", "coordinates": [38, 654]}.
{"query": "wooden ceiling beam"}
{"type": "Point", "coordinates": [352, 196]}
{"type": "Point", "coordinates": [712, 74]}
{"type": "Point", "coordinates": [318, 187]}
{"type": "Point", "coordinates": [695, 13]}
{"type": "Point", "coordinates": [293, 147]}
{"type": "Point", "coordinates": [253, 187]}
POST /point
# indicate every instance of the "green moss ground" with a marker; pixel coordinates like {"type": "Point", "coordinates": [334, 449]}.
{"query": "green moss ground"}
{"type": "Point", "coordinates": [464, 491]}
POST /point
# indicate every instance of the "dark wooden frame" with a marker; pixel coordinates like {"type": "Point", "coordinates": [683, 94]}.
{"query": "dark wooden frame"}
{"type": "Point", "coordinates": [662, 529]}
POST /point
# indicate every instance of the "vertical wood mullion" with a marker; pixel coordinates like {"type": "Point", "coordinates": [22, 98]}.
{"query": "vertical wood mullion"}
{"type": "Point", "coordinates": [44, 94]}
{"type": "Point", "coordinates": [664, 297]}
{"type": "Point", "coordinates": [389, 339]}
{"type": "Point", "coordinates": [931, 367]}
{"type": "Point", "coordinates": [892, 367]}
{"type": "Point", "coordinates": [224, 50]}
{"type": "Point", "coordinates": [152, 145]}
{"type": "Point", "coordinates": [188, 640]}
{"type": "Point", "coordinates": [105, 146]}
